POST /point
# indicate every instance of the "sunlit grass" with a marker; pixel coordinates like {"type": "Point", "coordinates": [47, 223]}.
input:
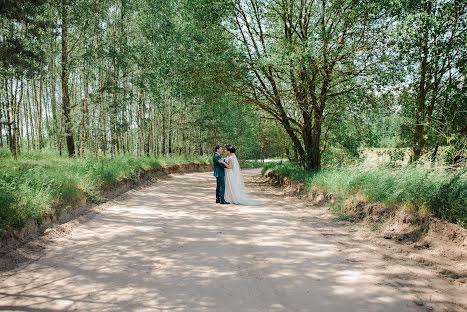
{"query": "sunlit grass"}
{"type": "Point", "coordinates": [31, 185]}
{"type": "Point", "coordinates": [250, 164]}
{"type": "Point", "coordinates": [443, 193]}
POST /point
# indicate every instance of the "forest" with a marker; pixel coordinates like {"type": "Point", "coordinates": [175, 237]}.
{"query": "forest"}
{"type": "Point", "coordinates": [322, 83]}
{"type": "Point", "coordinates": [274, 78]}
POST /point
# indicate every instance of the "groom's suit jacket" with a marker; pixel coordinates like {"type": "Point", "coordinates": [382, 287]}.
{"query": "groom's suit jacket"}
{"type": "Point", "coordinates": [218, 167]}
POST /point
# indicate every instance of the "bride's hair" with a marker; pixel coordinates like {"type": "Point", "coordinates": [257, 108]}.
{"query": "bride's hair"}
{"type": "Point", "coordinates": [230, 148]}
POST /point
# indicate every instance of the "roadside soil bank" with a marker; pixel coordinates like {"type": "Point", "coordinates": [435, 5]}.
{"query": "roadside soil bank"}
{"type": "Point", "coordinates": [83, 208]}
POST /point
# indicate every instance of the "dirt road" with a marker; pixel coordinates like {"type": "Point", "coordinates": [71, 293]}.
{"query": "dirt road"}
{"type": "Point", "coordinates": [169, 247]}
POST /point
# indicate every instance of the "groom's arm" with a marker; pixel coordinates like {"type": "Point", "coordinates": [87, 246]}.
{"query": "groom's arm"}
{"type": "Point", "coordinates": [219, 161]}
{"type": "Point", "coordinates": [228, 165]}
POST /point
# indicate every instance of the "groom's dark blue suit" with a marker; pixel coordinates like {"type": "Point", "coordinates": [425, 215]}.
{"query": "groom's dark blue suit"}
{"type": "Point", "coordinates": [219, 174]}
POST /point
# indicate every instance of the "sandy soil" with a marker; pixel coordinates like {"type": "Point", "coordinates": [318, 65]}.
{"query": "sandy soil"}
{"type": "Point", "coordinates": [168, 247]}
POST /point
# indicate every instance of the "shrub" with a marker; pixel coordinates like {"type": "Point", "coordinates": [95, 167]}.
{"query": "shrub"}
{"type": "Point", "coordinates": [31, 185]}
{"type": "Point", "coordinates": [442, 192]}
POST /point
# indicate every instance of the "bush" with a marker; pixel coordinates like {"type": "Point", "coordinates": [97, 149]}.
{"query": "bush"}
{"type": "Point", "coordinates": [31, 185]}
{"type": "Point", "coordinates": [443, 193]}
{"type": "Point", "coordinates": [250, 164]}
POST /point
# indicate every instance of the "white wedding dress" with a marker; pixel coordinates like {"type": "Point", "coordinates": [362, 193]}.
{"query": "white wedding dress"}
{"type": "Point", "coordinates": [235, 191]}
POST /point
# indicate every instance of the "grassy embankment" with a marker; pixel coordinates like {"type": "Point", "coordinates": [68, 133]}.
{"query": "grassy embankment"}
{"type": "Point", "coordinates": [34, 183]}
{"type": "Point", "coordinates": [420, 190]}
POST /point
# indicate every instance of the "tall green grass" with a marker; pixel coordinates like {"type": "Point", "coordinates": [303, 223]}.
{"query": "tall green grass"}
{"type": "Point", "coordinates": [443, 193]}
{"type": "Point", "coordinates": [31, 185]}
{"type": "Point", "coordinates": [250, 164]}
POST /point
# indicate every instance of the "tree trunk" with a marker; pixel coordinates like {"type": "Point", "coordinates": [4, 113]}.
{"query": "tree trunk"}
{"type": "Point", "coordinates": [10, 135]}
{"type": "Point", "coordinates": [66, 109]}
{"type": "Point", "coordinates": [31, 120]}
{"type": "Point", "coordinates": [53, 101]}
{"type": "Point", "coordinates": [27, 125]}
{"type": "Point", "coordinates": [163, 130]}
{"type": "Point", "coordinates": [1, 124]}
{"type": "Point", "coordinates": [419, 131]}
{"type": "Point", "coordinates": [170, 130]}
{"type": "Point", "coordinates": [18, 136]}
{"type": "Point", "coordinates": [315, 151]}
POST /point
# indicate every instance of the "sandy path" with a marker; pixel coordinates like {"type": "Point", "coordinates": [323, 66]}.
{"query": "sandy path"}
{"type": "Point", "coordinates": [168, 247]}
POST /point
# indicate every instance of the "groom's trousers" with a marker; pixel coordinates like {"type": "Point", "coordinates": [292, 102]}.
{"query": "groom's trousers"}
{"type": "Point", "coordinates": [220, 189]}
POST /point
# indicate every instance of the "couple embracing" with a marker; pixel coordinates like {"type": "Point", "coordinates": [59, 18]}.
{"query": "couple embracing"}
{"type": "Point", "coordinates": [230, 186]}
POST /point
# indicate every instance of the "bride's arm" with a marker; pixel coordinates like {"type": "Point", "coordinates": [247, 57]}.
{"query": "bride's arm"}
{"type": "Point", "coordinates": [227, 165]}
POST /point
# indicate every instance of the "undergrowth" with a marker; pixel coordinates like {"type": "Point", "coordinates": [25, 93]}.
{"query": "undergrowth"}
{"type": "Point", "coordinates": [31, 185]}
{"type": "Point", "coordinates": [250, 164]}
{"type": "Point", "coordinates": [441, 192]}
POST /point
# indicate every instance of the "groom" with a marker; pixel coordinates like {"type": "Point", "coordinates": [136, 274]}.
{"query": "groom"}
{"type": "Point", "coordinates": [219, 174]}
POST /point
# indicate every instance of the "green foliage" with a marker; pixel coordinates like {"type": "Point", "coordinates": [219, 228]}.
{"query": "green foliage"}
{"type": "Point", "coordinates": [429, 50]}
{"type": "Point", "coordinates": [334, 156]}
{"type": "Point", "coordinates": [250, 164]}
{"type": "Point", "coordinates": [21, 50]}
{"type": "Point", "coordinates": [34, 183]}
{"type": "Point", "coordinates": [444, 193]}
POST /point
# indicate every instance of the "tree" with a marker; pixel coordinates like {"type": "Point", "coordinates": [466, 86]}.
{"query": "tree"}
{"type": "Point", "coordinates": [432, 45]}
{"type": "Point", "coordinates": [20, 55]}
{"type": "Point", "coordinates": [21, 27]}
{"type": "Point", "coordinates": [66, 106]}
{"type": "Point", "coordinates": [300, 56]}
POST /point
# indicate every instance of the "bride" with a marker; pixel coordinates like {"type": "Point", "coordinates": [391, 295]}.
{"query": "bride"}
{"type": "Point", "coordinates": [234, 187]}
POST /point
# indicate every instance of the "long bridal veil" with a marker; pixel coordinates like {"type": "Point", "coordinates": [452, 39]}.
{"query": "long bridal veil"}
{"type": "Point", "coordinates": [235, 186]}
